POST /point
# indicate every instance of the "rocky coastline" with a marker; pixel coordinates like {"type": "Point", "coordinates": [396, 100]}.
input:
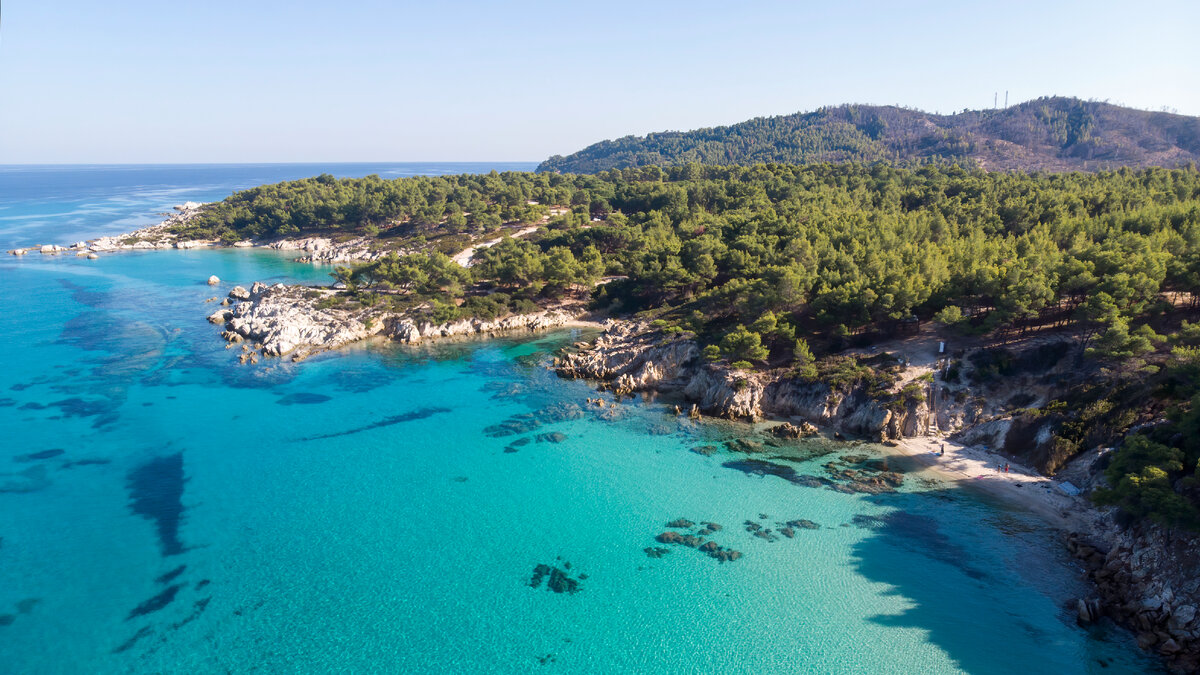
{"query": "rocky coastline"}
{"type": "Point", "coordinates": [1147, 578]}
{"type": "Point", "coordinates": [299, 321]}
{"type": "Point", "coordinates": [321, 250]}
{"type": "Point", "coordinates": [629, 358]}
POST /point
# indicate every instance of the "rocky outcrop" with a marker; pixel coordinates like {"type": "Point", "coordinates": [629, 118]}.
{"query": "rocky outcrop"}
{"type": "Point", "coordinates": [1146, 578]}
{"type": "Point", "coordinates": [154, 237]}
{"type": "Point", "coordinates": [411, 331]}
{"type": "Point", "coordinates": [287, 320]}
{"type": "Point", "coordinates": [633, 359]}
{"type": "Point", "coordinates": [300, 321]}
{"type": "Point", "coordinates": [629, 357]}
{"type": "Point", "coordinates": [325, 250]}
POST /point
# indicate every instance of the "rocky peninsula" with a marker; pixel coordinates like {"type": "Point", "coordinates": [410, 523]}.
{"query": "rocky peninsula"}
{"type": "Point", "coordinates": [301, 321]}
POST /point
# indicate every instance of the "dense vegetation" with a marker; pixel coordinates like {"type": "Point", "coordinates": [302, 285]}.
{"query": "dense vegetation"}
{"type": "Point", "coordinates": [783, 266]}
{"type": "Point", "coordinates": [1046, 134]}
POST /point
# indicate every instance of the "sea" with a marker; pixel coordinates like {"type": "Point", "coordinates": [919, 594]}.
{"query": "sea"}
{"type": "Point", "coordinates": [450, 508]}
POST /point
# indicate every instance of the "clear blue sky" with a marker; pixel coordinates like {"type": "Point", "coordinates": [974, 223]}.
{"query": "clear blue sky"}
{"type": "Point", "coordinates": [363, 80]}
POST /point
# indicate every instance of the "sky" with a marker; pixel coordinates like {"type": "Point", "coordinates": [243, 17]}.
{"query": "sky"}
{"type": "Point", "coordinates": [132, 81]}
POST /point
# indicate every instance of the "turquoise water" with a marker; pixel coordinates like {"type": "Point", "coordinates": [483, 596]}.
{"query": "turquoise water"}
{"type": "Point", "coordinates": [165, 509]}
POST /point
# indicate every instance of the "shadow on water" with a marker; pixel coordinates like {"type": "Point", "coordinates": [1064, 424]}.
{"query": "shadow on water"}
{"type": "Point", "coordinates": [951, 585]}
{"type": "Point", "coordinates": [971, 598]}
{"type": "Point", "coordinates": [420, 414]}
{"type": "Point", "coordinates": [156, 492]}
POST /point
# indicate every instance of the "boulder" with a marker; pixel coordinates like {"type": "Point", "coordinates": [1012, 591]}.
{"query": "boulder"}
{"type": "Point", "coordinates": [239, 293]}
{"type": "Point", "coordinates": [220, 316]}
{"type": "Point", "coordinates": [213, 280]}
{"type": "Point", "coordinates": [789, 430]}
{"type": "Point", "coordinates": [93, 256]}
{"type": "Point", "coordinates": [258, 288]}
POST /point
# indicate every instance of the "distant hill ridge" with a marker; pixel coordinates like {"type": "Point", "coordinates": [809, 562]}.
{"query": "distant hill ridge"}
{"type": "Point", "coordinates": [1046, 134]}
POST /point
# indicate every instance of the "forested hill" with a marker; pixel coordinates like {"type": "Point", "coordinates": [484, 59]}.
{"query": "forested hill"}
{"type": "Point", "coordinates": [1047, 134]}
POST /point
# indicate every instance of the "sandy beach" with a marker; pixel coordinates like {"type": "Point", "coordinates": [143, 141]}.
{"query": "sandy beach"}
{"type": "Point", "coordinates": [974, 468]}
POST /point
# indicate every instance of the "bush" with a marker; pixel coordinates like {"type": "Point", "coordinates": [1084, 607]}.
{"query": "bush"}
{"type": "Point", "coordinates": [744, 345]}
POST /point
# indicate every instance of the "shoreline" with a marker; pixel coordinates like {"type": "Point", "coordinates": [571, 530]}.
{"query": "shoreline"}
{"type": "Point", "coordinates": [975, 469]}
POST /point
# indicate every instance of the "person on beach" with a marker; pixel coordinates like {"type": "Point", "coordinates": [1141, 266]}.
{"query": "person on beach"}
{"type": "Point", "coordinates": [1006, 467]}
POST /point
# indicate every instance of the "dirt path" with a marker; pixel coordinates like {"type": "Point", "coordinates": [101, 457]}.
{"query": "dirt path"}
{"type": "Point", "coordinates": [463, 257]}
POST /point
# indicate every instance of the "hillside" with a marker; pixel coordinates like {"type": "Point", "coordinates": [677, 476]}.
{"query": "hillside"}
{"type": "Point", "coordinates": [1047, 134]}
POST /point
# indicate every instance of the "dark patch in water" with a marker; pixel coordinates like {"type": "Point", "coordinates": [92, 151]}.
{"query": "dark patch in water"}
{"type": "Point", "coordinates": [156, 490]}
{"type": "Point", "coordinates": [128, 644]}
{"type": "Point", "coordinates": [7, 619]}
{"type": "Point", "coordinates": [7, 402]}
{"type": "Point", "coordinates": [30, 480]}
{"type": "Point", "coordinates": [170, 576]}
{"type": "Point", "coordinates": [759, 467]}
{"type": "Point", "coordinates": [26, 606]}
{"type": "Point", "coordinates": [104, 410]}
{"type": "Point", "coordinates": [202, 583]}
{"type": "Point", "coordinates": [385, 422]}
{"type": "Point", "coordinates": [198, 608]}
{"type": "Point", "coordinates": [32, 406]}
{"type": "Point", "coordinates": [358, 380]}
{"type": "Point", "coordinates": [41, 454]}
{"type": "Point", "coordinates": [84, 295]}
{"type": "Point", "coordinates": [920, 534]}
{"type": "Point", "coordinates": [559, 580]}
{"type": "Point", "coordinates": [86, 462]}
{"type": "Point", "coordinates": [303, 398]}
{"type": "Point", "coordinates": [156, 603]}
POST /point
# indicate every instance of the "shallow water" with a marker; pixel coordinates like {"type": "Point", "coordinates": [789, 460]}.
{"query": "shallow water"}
{"type": "Point", "coordinates": [383, 509]}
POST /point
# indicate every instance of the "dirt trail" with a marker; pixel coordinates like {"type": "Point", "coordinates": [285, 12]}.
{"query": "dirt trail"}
{"type": "Point", "coordinates": [463, 257]}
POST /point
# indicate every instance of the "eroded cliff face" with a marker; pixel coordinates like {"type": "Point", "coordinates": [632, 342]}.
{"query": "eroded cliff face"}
{"type": "Point", "coordinates": [629, 358]}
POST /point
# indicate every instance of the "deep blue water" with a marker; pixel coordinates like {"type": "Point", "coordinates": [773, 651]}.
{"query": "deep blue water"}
{"type": "Point", "coordinates": [55, 204]}
{"type": "Point", "coordinates": [384, 508]}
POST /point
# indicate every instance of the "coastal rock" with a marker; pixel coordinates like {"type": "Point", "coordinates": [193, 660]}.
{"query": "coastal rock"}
{"type": "Point", "coordinates": [412, 332]}
{"type": "Point", "coordinates": [630, 356]}
{"type": "Point", "coordinates": [295, 320]}
{"type": "Point", "coordinates": [325, 250]}
{"type": "Point", "coordinates": [789, 430]}
{"type": "Point", "coordinates": [213, 280]}
{"type": "Point", "coordinates": [632, 359]}
{"type": "Point", "coordinates": [1146, 578]}
{"type": "Point", "coordinates": [220, 316]}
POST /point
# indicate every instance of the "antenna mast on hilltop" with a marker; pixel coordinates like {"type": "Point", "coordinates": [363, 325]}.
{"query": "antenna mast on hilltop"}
{"type": "Point", "coordinates": [995, 100]}
{"type": "Point", "coordinates": [1005, 98]}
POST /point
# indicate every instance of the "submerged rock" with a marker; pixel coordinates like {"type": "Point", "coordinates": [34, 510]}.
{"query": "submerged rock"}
{"type": "Point", "coordinates": [213, 280]}
{"type": "Point", "coordinates": [559, 580]}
